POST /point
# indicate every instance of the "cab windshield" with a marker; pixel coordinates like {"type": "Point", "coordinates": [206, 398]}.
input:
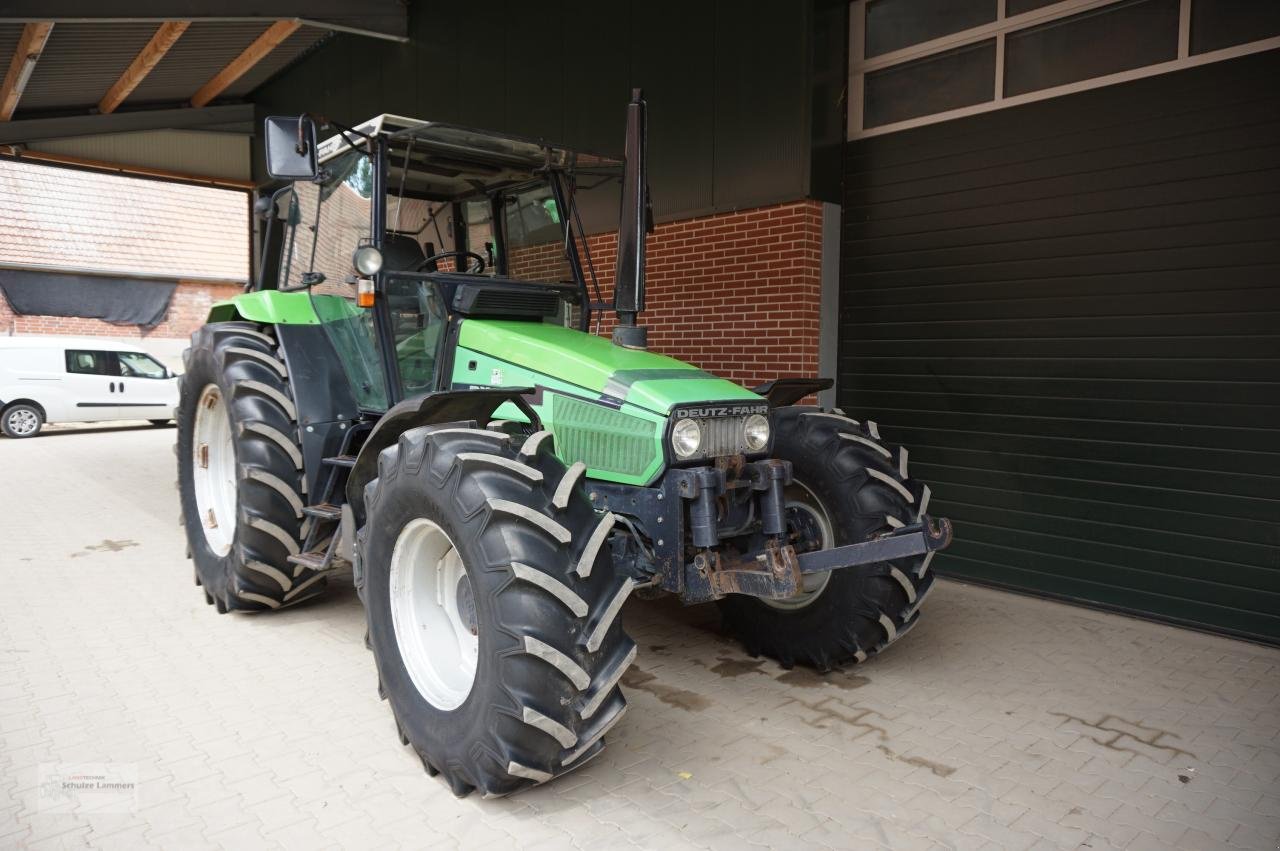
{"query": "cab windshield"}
{"type": "Point", "coordinates": [328, 220]}
{"type": "Point", "coordinates": [491, 222]}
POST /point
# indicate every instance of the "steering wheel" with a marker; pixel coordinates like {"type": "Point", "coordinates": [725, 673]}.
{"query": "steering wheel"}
{"type": "Point", "coordinates": [473, 269]}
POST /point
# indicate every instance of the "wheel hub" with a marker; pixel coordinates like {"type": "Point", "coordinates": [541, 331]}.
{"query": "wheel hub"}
{"type": "Point", "coordinates": [23, 422]}
{"type": "Point", "coordinates": [213, 467]}
{"type": "Point", "coordinates": [433, 613]}
{"type": "Point", "coordinates": [808, 529]}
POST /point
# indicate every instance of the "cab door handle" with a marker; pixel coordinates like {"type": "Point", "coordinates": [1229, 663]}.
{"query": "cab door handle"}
{"type": "Point", "coordinates": [113, 387]}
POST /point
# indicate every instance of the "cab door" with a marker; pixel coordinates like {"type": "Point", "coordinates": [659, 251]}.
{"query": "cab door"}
{"type": "Point", "coordinates": [146, 389]}
{"type": "Point", "coordinates": [93, 379]}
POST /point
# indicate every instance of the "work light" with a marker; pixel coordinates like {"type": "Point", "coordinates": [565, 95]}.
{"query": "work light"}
{"type": "Point", "coordinates": [367, 260]}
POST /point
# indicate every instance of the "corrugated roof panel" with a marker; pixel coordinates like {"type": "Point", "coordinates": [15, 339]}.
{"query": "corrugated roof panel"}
{"type": "Point", "coordinates": [289, 51]}
{"type": "Point", "coordinates": [9, 35]}
{"type": "Point", "coordinates": [202, 51]}
{"type": "Point", "coordinates": [205, 49]}
{"type": "Point", "coordinates": [80, 62]}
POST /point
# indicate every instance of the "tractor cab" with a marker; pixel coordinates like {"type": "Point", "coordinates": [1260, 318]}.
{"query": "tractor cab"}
{"type": "Point", "coordinates": [405, 226]}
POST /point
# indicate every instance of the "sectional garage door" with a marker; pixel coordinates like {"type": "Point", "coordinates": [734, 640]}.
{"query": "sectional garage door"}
{"type": "Point", "coordinates": [1070, 312]}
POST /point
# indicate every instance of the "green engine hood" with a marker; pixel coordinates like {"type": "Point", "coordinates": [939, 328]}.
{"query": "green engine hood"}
{"type": "Point", "coordinates": [645, 379]}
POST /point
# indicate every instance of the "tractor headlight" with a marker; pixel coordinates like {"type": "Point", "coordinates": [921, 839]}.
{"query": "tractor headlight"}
{"type": "Point", "coordinates": [755, 432]}
{"type": "Point", "coordinates": [686, 437]}
{"type": "Point", "coordinates": [367, 260]}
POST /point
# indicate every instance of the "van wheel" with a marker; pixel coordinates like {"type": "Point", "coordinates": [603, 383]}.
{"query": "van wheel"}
{"type": "Point", "coordinates": [21, 420]}
{"type": "Point", "coordinates": [159, 423]}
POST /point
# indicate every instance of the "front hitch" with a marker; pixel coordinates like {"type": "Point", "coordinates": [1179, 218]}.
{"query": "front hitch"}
{"type": "Point", "coordinates": [919, 538]}
{"type": "Point", "coordinates": [683, 519]}
{"type": "Point", "coordinates": [776, 571]}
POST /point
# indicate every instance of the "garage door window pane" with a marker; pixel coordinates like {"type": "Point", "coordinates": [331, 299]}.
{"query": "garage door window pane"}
{"type": "Point", "coordinates": [1017, 7]}
{"type": "Point", "coordinates": [1092, 44]}
{"type": "Point", "coordinates": [956, 78]}
{"type": "Point", "coordinates": [1216, 24]}
{"type": "Point", "coordinates": [895, 24]}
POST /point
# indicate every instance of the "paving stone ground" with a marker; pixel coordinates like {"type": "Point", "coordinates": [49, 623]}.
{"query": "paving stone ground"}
{"type": "Point", "coordinates": [1000, 722]}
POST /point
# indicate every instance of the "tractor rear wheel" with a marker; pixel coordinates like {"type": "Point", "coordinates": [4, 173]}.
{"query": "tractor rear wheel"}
{"type": "Point", "coordinates": [847, 487]}
{"type": "Point", "coordinates": [493, 609]}
{"type": "Point", "coordinates": [239, 470]}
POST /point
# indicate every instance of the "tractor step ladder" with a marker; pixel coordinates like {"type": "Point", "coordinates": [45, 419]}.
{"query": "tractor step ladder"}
{"type": "Point", "coordinates": [321, 544]}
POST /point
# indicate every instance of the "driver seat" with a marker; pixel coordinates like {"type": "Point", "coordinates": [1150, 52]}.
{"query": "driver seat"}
{"type": "Point", "coordinates": [401, 253]}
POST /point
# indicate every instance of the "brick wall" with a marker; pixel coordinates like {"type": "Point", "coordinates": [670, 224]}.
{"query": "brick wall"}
{"type": "Point", "coordinates": [737, 294]}
{"type": "Point", "coordinates": [734, 293]}
{"type": "Point", "coordinates": [187, 311]}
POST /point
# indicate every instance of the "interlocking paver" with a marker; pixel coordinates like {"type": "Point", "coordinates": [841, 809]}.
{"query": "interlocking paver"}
{"type": "Point", "coordinates": [1001, 722]}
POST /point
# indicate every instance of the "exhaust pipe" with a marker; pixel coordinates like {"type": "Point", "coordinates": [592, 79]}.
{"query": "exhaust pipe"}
{"type": "Point", "coordinates": [634, 222]}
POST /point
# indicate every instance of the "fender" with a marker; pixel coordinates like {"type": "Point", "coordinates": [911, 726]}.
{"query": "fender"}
{"type": "Point", "coordinates": [788, 391]}
{"type": "Point", "coordinates": [445, 406]}
{"type": "Point", "coordinates": [270, 307]}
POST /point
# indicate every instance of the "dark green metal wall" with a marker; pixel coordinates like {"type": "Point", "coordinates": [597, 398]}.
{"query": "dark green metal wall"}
{"type": "Point", "coordinates": [729, 85]}
{"type": "Point", "coordinates": [1070, 312]}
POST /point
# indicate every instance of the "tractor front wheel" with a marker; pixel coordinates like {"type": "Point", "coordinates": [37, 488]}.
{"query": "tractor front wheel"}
{"type": "Point", "coordinates": [847, 487]}
{"type": "Point", "coordinates": [239, 473]}
{"type": "Point", "coordinates": [492, 606]}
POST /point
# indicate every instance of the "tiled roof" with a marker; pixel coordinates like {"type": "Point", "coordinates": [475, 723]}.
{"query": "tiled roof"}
{"type": "Point", "coordinates": [60, 218]}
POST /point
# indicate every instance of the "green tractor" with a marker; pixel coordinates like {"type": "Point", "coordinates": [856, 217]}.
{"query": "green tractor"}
{"type": "Point", "coordinates": [410, 390]}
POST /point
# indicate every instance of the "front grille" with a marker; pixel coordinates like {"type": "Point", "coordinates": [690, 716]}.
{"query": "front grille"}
{"type": "Point", "coordinates": [723, 425]}
{"type": "Point", "coordinates": [602, 438]}
{"type": "Point", "coordinates": [722, 436]}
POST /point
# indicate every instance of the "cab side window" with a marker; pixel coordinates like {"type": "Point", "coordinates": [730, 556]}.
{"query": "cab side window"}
{"type": "Point", "coordinates": [87, 362]}
{"type": "Point", "coordinates": [138, 365]}
{"type": "Point", "coordinates": [419, 319]}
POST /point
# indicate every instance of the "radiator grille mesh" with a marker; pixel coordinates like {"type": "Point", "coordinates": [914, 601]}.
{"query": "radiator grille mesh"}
{"type": "Point", "coordinates": [602, 438]}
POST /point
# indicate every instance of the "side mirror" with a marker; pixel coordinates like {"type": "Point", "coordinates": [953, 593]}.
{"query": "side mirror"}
{"type": "Point", "coordinates": [291, 148]}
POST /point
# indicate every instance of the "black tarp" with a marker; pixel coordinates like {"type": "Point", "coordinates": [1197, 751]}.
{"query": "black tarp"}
{"type": "Point", "coordinates": [120, 301]}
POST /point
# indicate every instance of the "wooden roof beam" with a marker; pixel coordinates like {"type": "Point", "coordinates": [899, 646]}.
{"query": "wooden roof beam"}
{"type": "Point", "coordinates": [30, 46]}
{"type": "Point", "coordinates": [252, 55]}
{"type": "Point", "coordinates": [166, 35]}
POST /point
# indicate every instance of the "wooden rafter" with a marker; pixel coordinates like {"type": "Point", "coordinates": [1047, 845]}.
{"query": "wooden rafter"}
{"type": "Point", "coordinates": [30, 45]}
{"type": "Point", "coordinates": [252, 55]}
{"type": "Point", "coordinates": [166, 35]}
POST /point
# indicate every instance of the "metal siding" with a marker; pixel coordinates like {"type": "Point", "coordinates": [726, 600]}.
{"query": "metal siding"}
{"type": "Point", "coordinates": [188, 151]}
{"type": "Point", "coordinates": [532, 67]}
{"type": "Point", "coordinates": [761, 92]}
{"type": "Point", "coordinates": [728, 87]}
{"type": "Point", "coordinates": [683, 109]}
{"type": "Point", "coordinates": [1069, 311]}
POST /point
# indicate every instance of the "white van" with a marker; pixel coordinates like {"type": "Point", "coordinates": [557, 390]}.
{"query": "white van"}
{"type": "Point", "coordinates": [73, 379]}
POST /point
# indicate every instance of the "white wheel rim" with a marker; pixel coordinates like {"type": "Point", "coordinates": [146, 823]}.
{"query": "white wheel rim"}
{"type": "Point", "coordinates": [433, 614]}
{"type": "Point", "coordinates": [213, 467]}
{"type": "Point", "coordinates": [799, 497]}
{"type": "Point", "coordinates": [23, 422]}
